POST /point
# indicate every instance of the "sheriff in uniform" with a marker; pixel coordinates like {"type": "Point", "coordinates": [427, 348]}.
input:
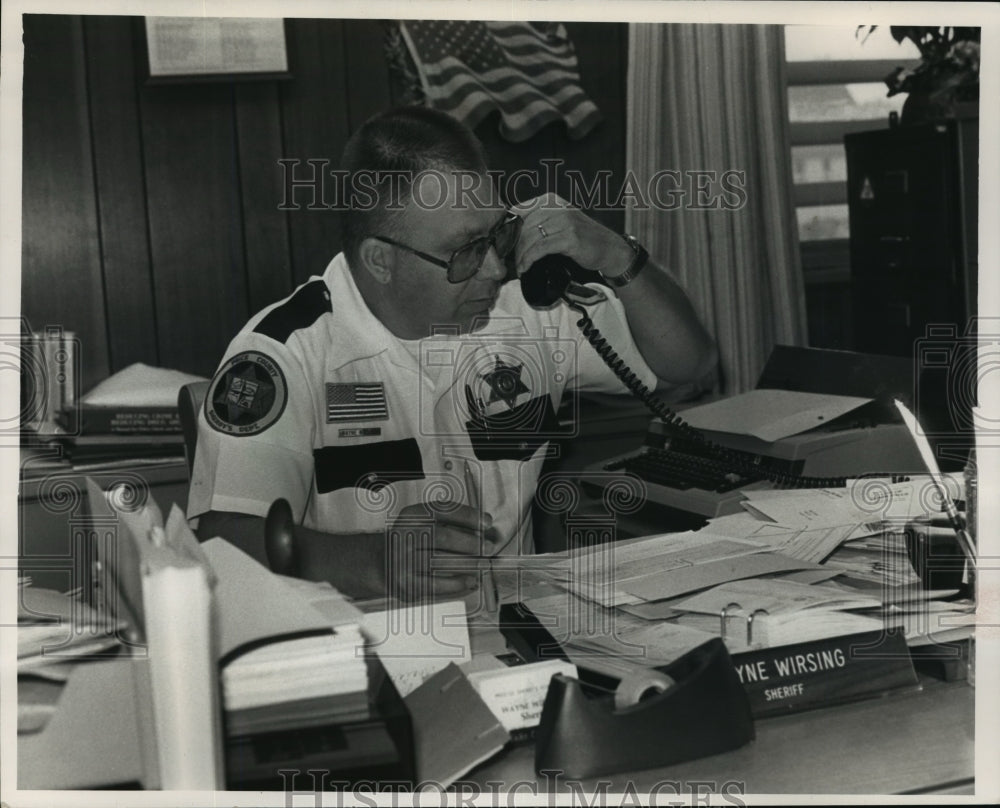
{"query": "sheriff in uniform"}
{"type": "Point", "coordinates": [409, 382]}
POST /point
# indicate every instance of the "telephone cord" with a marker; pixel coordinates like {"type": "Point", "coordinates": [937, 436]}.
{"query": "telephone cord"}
{"type": "Point", "coordinates": [734, 460]}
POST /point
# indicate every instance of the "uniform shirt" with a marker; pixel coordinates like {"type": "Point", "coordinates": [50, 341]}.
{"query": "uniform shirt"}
{"type": "Point", "coordinates": [319, 403]}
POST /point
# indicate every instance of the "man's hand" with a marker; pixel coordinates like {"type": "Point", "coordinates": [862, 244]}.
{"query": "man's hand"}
{"type": "Point", "coordinates": [662, 320]}
{"type": "Point", "coordinates": [436, 531]}
{"type": "Point", "coordinates": [399, 562]}
{"type": "Point", "coordinates": [552, 225]}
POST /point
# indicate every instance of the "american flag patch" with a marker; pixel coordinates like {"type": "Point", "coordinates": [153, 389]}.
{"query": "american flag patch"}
{"type": "Point", "coordinates": [360, 401]}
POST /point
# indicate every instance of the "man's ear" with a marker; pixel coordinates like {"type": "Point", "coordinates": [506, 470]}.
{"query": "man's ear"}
{"type": "Point", "coordinates": [378, 259]}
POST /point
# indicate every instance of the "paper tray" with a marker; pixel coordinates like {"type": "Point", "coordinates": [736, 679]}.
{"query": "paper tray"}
{"type": "Point", "coordinates": [376, 748]}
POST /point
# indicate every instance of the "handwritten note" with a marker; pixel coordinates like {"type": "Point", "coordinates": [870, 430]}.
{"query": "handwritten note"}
{"type": "Point", "coordinates": [416, 642]}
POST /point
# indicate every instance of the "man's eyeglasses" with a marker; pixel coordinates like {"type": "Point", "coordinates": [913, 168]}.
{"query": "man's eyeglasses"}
{"type": "Point", "coordinates": [467, 259]}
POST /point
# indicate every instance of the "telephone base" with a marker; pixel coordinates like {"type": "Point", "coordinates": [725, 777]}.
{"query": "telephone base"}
{"type": "Point", "coordinates": [883, 449]}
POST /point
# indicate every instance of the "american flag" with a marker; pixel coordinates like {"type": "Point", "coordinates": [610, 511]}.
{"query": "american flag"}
{"type": "Point", "coordinates": [361, 401]}
{"type": "Point", "coordinates": [526, 70]}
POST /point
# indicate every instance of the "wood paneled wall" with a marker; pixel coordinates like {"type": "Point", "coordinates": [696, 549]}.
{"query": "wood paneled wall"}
{"type": "Point", "coordinates": [151, 223]}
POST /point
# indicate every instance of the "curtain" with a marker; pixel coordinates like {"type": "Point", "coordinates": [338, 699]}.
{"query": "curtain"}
{"type": "Point", "coordinates": [711, 98]}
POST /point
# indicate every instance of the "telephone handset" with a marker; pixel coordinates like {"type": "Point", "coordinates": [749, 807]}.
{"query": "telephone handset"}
{"type": "Point", "coordinates": [550, 279]}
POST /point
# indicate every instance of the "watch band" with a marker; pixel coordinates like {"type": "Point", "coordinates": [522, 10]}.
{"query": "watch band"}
{"type": "Point", "coordinates": [639, 260]}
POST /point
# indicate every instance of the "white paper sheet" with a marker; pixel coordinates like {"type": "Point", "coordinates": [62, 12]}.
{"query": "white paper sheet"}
{"type": "Point", "coordinates": [864, 503]}
{"type": "Point", "coordinates": [771, 415]}
{"type": "Point", "coordinates": [140, 385]}
{"type": "Point", "coordinates": [415, 642]}
{"type": "Point", "coordinates": [775, 596]}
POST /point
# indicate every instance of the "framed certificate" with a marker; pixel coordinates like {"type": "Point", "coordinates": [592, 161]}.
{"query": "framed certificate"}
{"type": "Point", "coordinates": [215, 48]}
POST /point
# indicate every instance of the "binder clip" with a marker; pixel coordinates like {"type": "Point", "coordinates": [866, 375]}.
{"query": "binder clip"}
{"type": "Point", "coordinates": [694, 707]}
{"type": "Point", "coordinates": [724, 613]}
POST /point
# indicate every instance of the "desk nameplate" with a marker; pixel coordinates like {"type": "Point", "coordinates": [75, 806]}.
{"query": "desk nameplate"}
{"type": "Point", "coordinates": [796, 677]}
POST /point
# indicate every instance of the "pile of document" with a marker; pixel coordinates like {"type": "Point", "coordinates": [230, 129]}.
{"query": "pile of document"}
{"type": "Point", "coordinates": [795, 566]}
{"type": "Point", "coordinates": [55, 631]}
{"type": "Point", "coordinates": [761, 613]}
{"type": "Point", "coordinates": [58, 628]}
{"type": "Point", "coordinates": [292, 653]}
{"type": "Point", "coordinates": [657, 568]}
{"type": "Point", "coordinates": [856, 529]}
{"type": "Point", "coordinates": [610, 641]}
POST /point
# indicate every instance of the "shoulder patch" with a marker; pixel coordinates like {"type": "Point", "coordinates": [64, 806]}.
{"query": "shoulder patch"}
{"type": "Point", "coordinates": [247, 395]}
{"type": "Point", "coordinates": [301, 310]}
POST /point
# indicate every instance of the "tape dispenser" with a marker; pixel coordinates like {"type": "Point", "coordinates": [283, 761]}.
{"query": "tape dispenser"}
{"type": "Point", "coordinates": [691, 708]}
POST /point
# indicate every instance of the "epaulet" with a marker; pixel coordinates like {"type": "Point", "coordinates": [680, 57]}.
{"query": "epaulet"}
{"type": "Point", "coordinates": [301, 310]}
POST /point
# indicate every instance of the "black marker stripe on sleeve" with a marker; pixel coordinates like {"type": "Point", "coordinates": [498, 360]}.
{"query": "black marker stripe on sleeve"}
{"type": "Point", "coordinates": [367, 465]}
{"type": "Point", "coordinates": [301, 310]}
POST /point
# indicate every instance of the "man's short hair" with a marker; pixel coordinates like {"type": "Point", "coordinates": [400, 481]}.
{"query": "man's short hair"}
{"type": "Point", "coordinates": [396, 146]}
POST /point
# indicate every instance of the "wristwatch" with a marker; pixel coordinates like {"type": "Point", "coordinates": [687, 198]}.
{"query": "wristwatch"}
{"type": "Point", "coordinates": [639, 259]}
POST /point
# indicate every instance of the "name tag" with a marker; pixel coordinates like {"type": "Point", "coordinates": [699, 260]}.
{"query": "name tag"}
{"type": "Point", "coordinates": [516, 695]}
{"type": "Point", "coordinates": [365, 432]}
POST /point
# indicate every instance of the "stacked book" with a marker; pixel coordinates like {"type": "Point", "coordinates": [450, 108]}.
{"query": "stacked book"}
{"type": "Point", "coordinates": [131, 414]}
{"type": "Point", "coordinates": [91, 449]}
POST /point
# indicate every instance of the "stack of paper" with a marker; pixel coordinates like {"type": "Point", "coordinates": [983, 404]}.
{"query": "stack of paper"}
{"type": "Point", "coordinates": [611, 641]}
{"type": "Point", "coordinates": [768, 613]}
{"type": "Point", "coordinates": [933, 622]}
{"type": "Point", "coordinates": [661, 567]}
{"type": "Point", "coordinates": [286, 664]}
{"type": "Point", "coordinates": [865, 507]}
{"type": "Point", "coordinates": [853, 531]}
{"type": "Point", "coordinates": [286, 655]}
{"type": "Point", "coordinates": [762, 579]}
{"type": "Point", "coordinates": [139, 385]}
{"type": "Point", "coordinates": [55, 630]}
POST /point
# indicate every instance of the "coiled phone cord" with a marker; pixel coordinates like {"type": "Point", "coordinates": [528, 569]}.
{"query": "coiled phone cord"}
{"type": "Point", "coordinates": [737, 462]}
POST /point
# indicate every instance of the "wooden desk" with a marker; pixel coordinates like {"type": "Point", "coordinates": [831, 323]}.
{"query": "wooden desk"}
{"type": "Point", "coordinates": [917, 742]}
{"type": "Point", "coordinates": [903, 743]}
